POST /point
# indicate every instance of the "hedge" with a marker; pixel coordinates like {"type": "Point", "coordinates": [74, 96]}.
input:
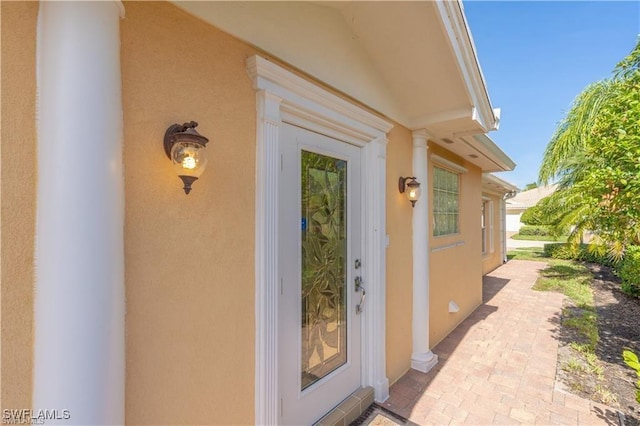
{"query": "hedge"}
{"type": "Point", "coordinates": [537, 230]}
{"type": "Point", "coordinates": [629, 271]}
{"type": "Point", "coordinates": [581, 252]}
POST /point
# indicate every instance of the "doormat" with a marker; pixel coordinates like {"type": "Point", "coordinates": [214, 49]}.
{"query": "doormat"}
{"type": "Point", "coordinates": [377, 415]}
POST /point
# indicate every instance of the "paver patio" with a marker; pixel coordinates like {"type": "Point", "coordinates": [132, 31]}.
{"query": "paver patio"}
{"type": "Point", "coordinates": [499, 365]}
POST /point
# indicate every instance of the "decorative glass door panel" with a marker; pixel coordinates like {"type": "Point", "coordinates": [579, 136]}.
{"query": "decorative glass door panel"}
{"type": "Point", "coordinates": [324, 275]}
{"type": "Point", "coordinates": [319, 240]}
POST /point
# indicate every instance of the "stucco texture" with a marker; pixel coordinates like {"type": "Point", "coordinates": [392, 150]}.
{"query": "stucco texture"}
{"type": "Point", "coordinates": [456, 271]}
{"type": "Point", "coordinates": [399, 255]}
{"type": "Point", "coordinates": [17, 189]}
{"type": "Point", "coordinates": [189, 258]}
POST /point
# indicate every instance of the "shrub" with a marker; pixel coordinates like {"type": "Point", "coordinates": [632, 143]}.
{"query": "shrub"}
{"type": "Point", "coordinates": [560, 251]}
{"type": "Point", "coordinates": [534, 230]}
{"type": "Point", "coordinates": [582, 252]}
{"type": "Point", "coordinates": [629, 271]}
{"type": "Point", "coordinates": [631, 359]}
{"type": "Point", "coordinates": [533, 216]}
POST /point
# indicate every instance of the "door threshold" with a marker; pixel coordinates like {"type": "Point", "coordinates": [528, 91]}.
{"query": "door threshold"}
{"type": "Point", "coordinates": [349, 409]}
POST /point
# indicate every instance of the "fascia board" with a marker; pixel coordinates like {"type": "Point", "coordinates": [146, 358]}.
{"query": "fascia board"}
{"type": "Point", "coordinates": [495, 180]}
{"type": "Point", "coordinates": [488, 147]}
{"type": "Point", "coordinates": [459, 36]}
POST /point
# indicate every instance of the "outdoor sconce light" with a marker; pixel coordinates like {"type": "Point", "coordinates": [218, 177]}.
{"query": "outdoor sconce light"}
{"type": "Point", "coordinates": [185, 147]}
{"type": "Point", "coordinates": [411, 188]}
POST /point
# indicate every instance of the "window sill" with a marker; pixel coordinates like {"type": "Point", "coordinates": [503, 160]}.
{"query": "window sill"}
{"type": "Point", "coordinates": [447, 246]}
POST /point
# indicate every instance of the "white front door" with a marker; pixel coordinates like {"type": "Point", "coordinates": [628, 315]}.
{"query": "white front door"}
{"type": "Point", "coordinates": [319, 261]}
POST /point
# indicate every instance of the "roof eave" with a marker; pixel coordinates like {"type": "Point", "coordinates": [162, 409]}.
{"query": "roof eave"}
{"type": "Point", "coordinates": [459, 35]}
{"type": "Point", "coordinates": [494, 181]}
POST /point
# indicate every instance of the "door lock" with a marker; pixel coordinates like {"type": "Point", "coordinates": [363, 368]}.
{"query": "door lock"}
{"type": "Point", "coordinates": [359, 283]}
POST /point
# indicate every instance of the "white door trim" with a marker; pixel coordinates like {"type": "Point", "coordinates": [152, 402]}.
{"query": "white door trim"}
{"type": "Point", "coordinates": [281, 97]}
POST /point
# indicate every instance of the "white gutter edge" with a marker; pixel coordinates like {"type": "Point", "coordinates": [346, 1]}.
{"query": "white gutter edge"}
{"type": "Point", "coordinates": [494, 152]}
{"type": "Point", "coordinates": [455, 25]}
{"type": "Point", "coordinates": [491, 178]}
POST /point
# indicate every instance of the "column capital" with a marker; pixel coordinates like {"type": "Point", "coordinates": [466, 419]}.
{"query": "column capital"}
{"type": "Point", "coordinates": [420, 137]}
{"type": "Point", "coordinates": [420, 133]}
{"type": "Point", "coordinates": [269, 107]}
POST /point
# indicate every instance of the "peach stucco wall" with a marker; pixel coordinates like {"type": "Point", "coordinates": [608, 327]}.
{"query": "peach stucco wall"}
{"type": "Point", "coordinates": [189, 258]}
{"type": "Point", "coordinates": [18, 186]}
{"type": "Point", "coordinates": [399, 255]}
{"type": "Point", "coordinates": [456, 271]}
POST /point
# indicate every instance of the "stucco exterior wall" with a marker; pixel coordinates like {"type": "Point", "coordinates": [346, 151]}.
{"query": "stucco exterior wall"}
{"type": "Point", "coordinates": [18, 192]}
{"type": "Point", "coordinates": [455, 260]}
{"type": "Point", "coordinates": [493, 258]}
{"type": "Point", "coordinates": [189, 258]}
{"type": "Point", "coordinates": [399, 255]}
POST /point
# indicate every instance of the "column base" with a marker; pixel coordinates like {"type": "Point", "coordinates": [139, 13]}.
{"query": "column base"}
{"type": "Point", "coordinates": [424, 362]}
{"type": "Point", "coordinates": [382, 390]}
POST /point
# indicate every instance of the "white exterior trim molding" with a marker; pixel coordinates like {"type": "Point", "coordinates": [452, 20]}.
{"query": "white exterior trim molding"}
{"type": "Point", "coordinates": [79, 306]}
{"type": "Point", "coordinates": [282, 97]}
{"type": "Point", "coordinates": [459, 35]}
{"type": "Point", "coordinates": [422, 359]}
{"type": "Point", "coordinates": [448, 164]}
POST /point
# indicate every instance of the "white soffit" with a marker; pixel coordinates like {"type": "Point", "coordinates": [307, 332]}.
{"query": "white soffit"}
{"type": "Point", "coordinates": [311, 37]}
{"type": "Point", "coordinates": [494, 183]}
{"type": "Point", "coordinates": [480, 150]}
{"type": "Point", "coordinates": [412, 61]}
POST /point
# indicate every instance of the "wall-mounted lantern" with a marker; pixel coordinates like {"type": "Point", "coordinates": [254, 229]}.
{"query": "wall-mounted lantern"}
{"type": "Point", "coordinates": [411, 188]}
{"type": "Point", "coordinates": [186, 148]}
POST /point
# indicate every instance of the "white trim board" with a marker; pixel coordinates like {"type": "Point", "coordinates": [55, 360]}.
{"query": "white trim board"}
{"type": "Point", "coordinates": [448, 164]}
{"type": "Point", "coordinates": [282, 96]}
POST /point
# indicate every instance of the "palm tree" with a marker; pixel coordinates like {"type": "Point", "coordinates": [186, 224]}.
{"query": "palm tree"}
{"type": "Point", "coordinates": [564, 154]}
{"type": "Point", "coordinates": [593, 157]}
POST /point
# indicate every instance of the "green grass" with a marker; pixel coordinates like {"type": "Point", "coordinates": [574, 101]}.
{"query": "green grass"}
{"type": "Point", "coordinates": [569, 278]}
{"type": "Point", "coordinates": [562, 239]}
{"type": "Point", "coordinates": [574, 366]}
{"type": "Point", "coordinates": [527, 253]}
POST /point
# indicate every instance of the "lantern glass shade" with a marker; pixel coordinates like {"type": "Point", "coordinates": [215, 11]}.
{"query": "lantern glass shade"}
{"type": "Point", "coordinates": [413, 191]}
{"type": "Point", "coordinates": [189, 158]}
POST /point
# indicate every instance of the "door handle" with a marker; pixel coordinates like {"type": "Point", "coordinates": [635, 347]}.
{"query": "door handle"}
{"type": "Point", "coordinates": [363, 295]}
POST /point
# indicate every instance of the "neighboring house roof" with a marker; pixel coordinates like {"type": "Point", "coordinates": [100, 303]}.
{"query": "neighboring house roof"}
{"type": "Point", "coordinates": [493, 183]}
{"type": "Point", "coordinates": [414, 62]}
{"type": "Point", "coordinates": [530, 198]}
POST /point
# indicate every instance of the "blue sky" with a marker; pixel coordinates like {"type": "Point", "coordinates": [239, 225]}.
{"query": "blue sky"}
{"type": "Point", "coordinates": [537, 56]}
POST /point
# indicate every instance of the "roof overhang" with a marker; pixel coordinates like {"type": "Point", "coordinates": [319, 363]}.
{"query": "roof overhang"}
{"type": "Point", "coordinates": [414, 62]}
{"type": "Point", "coordinates": [495, 184]}
{"type": "Point", "coordinates": [480, 150]}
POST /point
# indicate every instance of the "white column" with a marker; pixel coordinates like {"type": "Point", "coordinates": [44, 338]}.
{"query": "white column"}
{"type": "Point", "coordinates": [422, 358]}
{"type": "Point", "coordinates": [79, 287]}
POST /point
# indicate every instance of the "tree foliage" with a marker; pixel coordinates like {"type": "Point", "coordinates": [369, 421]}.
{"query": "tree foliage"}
{"type": "Point", "coordinates": [595, 157]}
{"type": "Point", "coordinates": [533, 216]}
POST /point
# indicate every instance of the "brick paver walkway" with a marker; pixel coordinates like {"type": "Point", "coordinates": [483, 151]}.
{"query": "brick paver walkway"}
{"type": "Point", "coordinates": [499, 365]}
